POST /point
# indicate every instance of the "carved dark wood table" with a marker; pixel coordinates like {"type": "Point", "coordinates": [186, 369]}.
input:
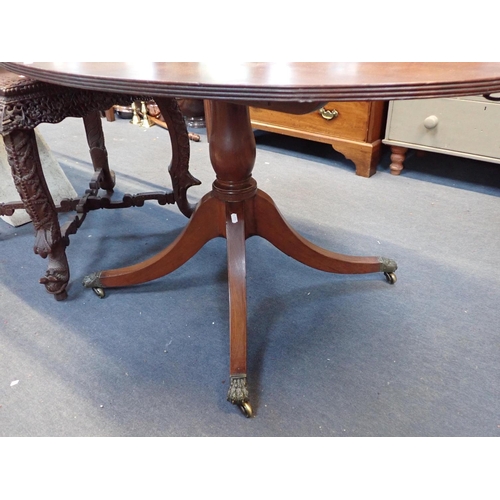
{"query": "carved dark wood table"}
{"type": "Point", "coordinates": [235, 208]}
{"type": "Point", "coordinates": [24, 104]}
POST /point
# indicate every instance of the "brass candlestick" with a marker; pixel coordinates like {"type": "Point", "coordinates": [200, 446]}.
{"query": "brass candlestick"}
{"type": "Point", "coordinates": [146, 120]}
{"type": "Point", "coordinates": [136, 119]}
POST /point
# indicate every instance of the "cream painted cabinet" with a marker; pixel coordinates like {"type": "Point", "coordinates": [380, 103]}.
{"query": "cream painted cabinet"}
{"type": "Point", "coordinates": [465, 126]}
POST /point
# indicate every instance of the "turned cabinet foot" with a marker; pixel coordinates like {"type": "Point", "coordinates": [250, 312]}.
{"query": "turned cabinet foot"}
{"type": "Point", "coordinates": [398, 155]}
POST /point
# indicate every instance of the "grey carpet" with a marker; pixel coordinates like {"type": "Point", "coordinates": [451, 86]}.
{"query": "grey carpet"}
{"type": "Point", "coordinates": [329, 355]}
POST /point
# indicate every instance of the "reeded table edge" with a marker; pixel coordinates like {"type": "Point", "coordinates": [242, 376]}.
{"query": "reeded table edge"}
{"type": "Point", "coordinates": [248, 94]}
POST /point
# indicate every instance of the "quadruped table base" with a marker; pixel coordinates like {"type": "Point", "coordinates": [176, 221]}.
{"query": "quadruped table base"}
{"type": "Point", "coordinates": [236, 209]}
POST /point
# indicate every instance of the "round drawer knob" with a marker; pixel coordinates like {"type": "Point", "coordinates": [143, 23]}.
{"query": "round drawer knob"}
{"type": "Point", "coordinates": [431, 121]}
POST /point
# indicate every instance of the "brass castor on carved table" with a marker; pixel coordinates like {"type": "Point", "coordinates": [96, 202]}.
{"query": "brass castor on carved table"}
{"type": "Point", "coordinates": [391, 278]}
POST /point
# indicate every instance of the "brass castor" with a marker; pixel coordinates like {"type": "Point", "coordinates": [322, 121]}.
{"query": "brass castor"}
{"type": "Point", "coordinates": [246, 409]}
{"type": "Point", "coordinates": [99, 292]}
{"type": "Point", "coordinates": [391, 278]}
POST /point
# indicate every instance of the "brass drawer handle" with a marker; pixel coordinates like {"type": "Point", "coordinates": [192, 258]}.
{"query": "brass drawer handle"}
{"type": "Point", "coordinates": [328, 114]}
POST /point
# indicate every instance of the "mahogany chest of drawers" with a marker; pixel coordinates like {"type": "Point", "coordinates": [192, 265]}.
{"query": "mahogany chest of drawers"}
{"type": "Point", "coordinates": [352, 128]}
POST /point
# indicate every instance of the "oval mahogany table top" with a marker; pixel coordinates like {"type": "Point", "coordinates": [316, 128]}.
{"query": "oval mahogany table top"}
{"type": "Point", "coordinates": [274, 82]}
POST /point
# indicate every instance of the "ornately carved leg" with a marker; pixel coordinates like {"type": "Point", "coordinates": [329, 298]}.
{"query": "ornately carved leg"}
{"type": "Point", "coordinates": [104, 177]}
{"type": "Point", "coordinates": [235, 234]}
{"type": "Point", "coordinates": [182, 179]}
{"type": "Point", "coordinates": [22, 153]}
{"type": "Point", "coordinates": [206, 223]}
{"type": "Point", "coordinates": [271, 225]}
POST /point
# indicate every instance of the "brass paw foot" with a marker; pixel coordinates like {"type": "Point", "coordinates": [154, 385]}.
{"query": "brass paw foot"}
{"type": "Point", "coordinates": [238, 394]}
{"type": "Point", "coordinates": [388, 267]}
{"type": "Point", "coordinates": [94, 281]}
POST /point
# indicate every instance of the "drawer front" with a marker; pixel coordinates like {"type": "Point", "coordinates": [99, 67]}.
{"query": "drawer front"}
{"type": "Point", "coordinates": [459, 125]}
{"type": "Point", "coordinates": [352, 121]}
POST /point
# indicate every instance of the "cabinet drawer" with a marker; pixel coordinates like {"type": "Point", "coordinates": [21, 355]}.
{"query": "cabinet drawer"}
{"type": "Point", "coordinates": [458, 125]}
{"type": "Point", "coordinates": [352, 121]}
